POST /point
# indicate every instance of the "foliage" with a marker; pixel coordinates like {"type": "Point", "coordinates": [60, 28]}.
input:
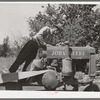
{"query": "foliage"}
{"type": "Point", "coordinates": [1, 50]}
{"type": "Point", "coordinates": [18, 44]}
{"type": "Point", "coordinates": [5, 47]}
{"type": "Point", "coordinates": [80, 23]}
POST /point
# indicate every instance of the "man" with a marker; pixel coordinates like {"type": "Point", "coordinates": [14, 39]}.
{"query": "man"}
{"type": "Point", "coordinates": [29, 51]}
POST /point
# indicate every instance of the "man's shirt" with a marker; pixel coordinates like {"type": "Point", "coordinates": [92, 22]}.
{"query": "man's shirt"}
{"type": "Point", "coordinates": [42, 35]}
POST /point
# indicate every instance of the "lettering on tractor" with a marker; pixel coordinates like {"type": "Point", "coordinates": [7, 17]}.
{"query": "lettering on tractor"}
{"type": "Point", "coordinates": [79, 53]}
{"type": "Point", "coordinates": [58, 53]}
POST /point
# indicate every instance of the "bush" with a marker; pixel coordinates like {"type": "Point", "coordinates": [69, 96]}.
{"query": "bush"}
{"type": "Point", "coordinates": [5, 48]}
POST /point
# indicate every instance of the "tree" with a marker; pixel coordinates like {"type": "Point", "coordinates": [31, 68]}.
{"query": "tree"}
{"type": "Point", "coordinates": [1, 50]}
{"type": "Point", "coordinates": [19, 43]}
{"type": "Point", "coordinates": [5, 47]}
{"type": "Point", "coordinates": [78, 20]}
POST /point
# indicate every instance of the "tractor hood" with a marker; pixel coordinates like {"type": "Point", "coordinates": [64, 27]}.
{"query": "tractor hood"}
{"type": "Point", "coordinates": [82, 52]}
{"type": "Point", "coordinates": [61, 52]}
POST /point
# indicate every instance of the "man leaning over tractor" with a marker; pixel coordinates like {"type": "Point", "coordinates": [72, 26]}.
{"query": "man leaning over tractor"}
{"type": "Point", "coordinates": [30, 49]}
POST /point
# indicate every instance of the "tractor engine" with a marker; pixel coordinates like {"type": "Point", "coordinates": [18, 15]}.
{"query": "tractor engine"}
{"type": "Point", "coordinates": [58, 59]}
{"type": "Point", "coordinates": [64, 62]}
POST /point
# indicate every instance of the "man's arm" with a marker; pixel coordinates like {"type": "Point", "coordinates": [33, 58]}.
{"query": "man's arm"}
{"type": "Point", "coordinates": [41, 42]}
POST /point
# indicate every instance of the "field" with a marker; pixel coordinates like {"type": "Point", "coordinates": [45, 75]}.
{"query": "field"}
{"type": "Point", "coordinates": [5, 64]}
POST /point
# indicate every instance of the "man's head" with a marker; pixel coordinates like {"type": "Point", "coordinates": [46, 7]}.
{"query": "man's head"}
{"type": "Point", "coordinates": [57, 28]}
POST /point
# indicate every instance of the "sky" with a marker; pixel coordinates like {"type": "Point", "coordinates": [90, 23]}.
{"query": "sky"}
{"type": "Point", "coordinates": [14, 16]}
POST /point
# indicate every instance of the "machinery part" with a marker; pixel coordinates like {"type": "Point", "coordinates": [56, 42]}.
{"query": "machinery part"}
{"type": "Point", "coordinates": [49, 80]}
{"type": "Point", "coordinates": [91, 87]}
{"type": "Point", "coordinates": [54, 63]}
{"type": "Point", "coordinates": [11, 77]}
{"type": "Point", "coordinates": [67, 67]}
{"type": "Point", "coordinates": [38, 64]}
{"type": "Point", "coordinates": [37, 79]}
{"type": "Point", "coordinates": [44, 54]}
{"type": "Point", "coordinates": [70, 81]}
{"type": "Point", "coordinates": [41, 53]}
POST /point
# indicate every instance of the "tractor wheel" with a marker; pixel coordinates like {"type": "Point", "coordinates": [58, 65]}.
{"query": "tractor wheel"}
{"type": "Point", "coordinates": [49, 80]}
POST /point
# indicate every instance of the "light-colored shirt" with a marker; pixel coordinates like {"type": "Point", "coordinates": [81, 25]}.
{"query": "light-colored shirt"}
{"type": "Point", "coordinates": [43, 34]}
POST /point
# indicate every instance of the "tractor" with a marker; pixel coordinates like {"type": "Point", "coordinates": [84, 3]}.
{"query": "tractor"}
{"type": "Point", "coordinates": [63, 61]}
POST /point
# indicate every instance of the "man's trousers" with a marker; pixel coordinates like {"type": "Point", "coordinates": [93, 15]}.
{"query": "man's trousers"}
{"type": "Point", "coordinates": [27, 55]}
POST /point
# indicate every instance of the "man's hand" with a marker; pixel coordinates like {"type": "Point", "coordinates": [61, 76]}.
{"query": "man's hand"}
{"type": "Point", "coordinates": [44, 54]}
{"type": "Point", "coordinates": [48, 45]}
{"type": "Point", "coordinates": [49, 67]}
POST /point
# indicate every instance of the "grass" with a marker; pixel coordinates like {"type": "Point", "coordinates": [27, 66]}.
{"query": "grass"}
{"type": "Point", "coordinates": [5, 63]}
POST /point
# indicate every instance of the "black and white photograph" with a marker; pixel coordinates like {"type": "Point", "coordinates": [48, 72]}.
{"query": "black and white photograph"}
{"type": "Point", "coordinates": [50, 46]}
